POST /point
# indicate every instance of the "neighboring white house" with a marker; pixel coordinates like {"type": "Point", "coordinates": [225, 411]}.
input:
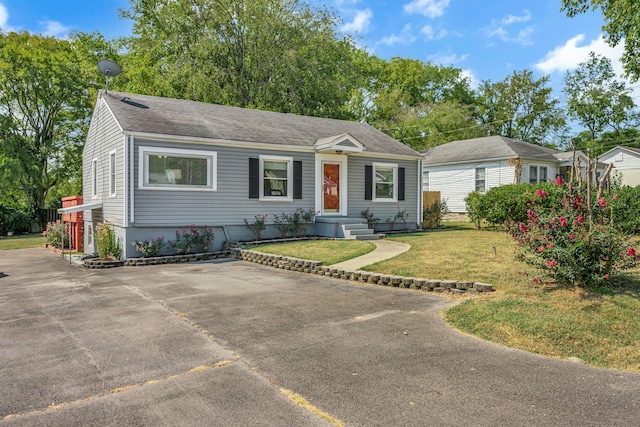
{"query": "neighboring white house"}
{"type": "Point", "coordinates": [461, 167]}
{"type": "Point", "coordinates": [626, 162]}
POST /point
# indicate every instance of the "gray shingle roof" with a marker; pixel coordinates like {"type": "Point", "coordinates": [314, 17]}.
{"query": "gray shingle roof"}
{"type": "Point", "coordinates": [489, 147]}
{"type": "Point", "coordinates": [176, 117]}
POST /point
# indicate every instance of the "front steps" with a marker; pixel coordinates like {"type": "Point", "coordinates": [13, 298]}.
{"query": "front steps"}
{"type": "Point", "coordinates": [358, 232]}
{"type": "Point", "coordinates": [343, 227]}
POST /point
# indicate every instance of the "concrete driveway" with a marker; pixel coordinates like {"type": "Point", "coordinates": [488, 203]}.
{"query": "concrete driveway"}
{"type": "Point", "coordinates": [237, 344]}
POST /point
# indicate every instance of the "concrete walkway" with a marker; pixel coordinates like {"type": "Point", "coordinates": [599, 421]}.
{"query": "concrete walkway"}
{"type": "Point", "coordinates": [385, 249]}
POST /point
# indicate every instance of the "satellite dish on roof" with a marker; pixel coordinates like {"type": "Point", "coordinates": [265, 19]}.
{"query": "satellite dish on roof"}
{"type": "Point", "coordinates": [108, 68]}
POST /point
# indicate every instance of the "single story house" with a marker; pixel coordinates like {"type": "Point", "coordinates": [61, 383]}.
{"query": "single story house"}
{"type": "Point", "coordinates": [458, 168]}
{"type": "Point", "coordinates": [626, 164]}
{"type": "Point", "coordinates": [152, 165]}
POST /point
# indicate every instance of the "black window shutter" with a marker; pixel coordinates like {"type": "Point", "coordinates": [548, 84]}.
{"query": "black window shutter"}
{"type": "Point", "coordinates": [297, 179]}
{"type": "Point", "coordinates": [254, 178]}
{"type": "Point", "coordinates": [368, 182]}
{"type": "Point", "coordinates": [400, 183]}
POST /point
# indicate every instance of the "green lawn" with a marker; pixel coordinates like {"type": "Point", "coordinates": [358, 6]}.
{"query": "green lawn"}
{"type": "Point", "coordinates": [21, 241]}
{"type": "Point", "coordinates": [599, 328]}
{"type": "Point", "coordinates": [328, 251]}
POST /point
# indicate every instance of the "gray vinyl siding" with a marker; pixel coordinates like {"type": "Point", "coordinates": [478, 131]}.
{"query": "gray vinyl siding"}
{"type": "Point", "coordinates": [356, 197]}
{"type": "Point", "coordinates": [226, 206]}
{"type": "Point", "coordinates": [103, 137]}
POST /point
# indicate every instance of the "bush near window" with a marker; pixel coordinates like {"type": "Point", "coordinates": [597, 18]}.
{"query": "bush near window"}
{"type": "Point", "coordinates": [107, 243]}
{"type": "Point", "coordinates": [192, 238]}
{"type": "Point", "coordinates": [151, 247]}
{"type": "Point", "coordinates": [572, 242]}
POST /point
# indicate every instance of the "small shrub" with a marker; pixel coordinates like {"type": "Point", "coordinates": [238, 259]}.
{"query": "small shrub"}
{"type": "Point", "coordinates": [305, 217]}
{"type": "Point", "coordinates": [151, 247]}
{"type": "Point", "coordinates": [371, 219]}
{"type": "Point", "coordinates": [107, 243]}
{"type": "Point", "coordinates": [257, 226]}
{"type": "Point", "coordinates": [55, 232]}
{"type": "Point", "coordinates": [282, 224]}
{"type": "Point", "coordinates": [184, 243]}
{"type": "Point", "coordinates": [402, 216]}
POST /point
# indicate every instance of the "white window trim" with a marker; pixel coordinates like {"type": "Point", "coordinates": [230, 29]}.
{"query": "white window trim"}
{"type": "Point", "coordinates": [475, 179]}
{"type": "Point", "coordinates": [143, 168]}
{"type": "Point", "coordinates": [546, 179]}
{"type": "Point", "coordinates": [289, 196]}
{"type": "Point", "coordinates": [538, 174]}
{"type": "Point", "coordinates": [112, 171]}
{"type": "Point", "coordinates": [425, 185]}
{"type": "Point", "coordinates": [94, 178]}
{"type": "Point", "coordinates": [394, 199]}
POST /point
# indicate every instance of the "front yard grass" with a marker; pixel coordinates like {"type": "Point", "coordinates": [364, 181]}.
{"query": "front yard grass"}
{"type": "Point", "coordinates": [328, 251]}
{"type": "Point", "coordinates": [600, 328]}
{"type": "Point", "coordinates": [21, 242]}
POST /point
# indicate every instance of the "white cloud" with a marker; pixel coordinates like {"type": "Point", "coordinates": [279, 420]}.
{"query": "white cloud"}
{"type": "Point", "coordinates": [474, 82]}
{"type": "Point", "coordinates": [428, 8]}
{"type": "Point", "coordinates": [360, 23]}
{"type": "Point", "coordinates": [570, 55]}
{"type": "Point", "coordinates": [430, 34]}
{"type": "Point", "coordinates": [500, 29]}
{"type": "Point", "coordinates": [54, 29]}
{"type": "Point", "coordinates": [406, 37]}
{"type": "Point", "coordinates": [446, 58]}
{"type": "Point", "coordinates": [512, 19]}
{"type": "Point", "coordinates": [4, 19]}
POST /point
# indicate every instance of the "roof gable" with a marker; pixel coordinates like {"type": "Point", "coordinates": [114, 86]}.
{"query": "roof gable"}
{"type": "Point", "coordinates": [344, 142]}
{"type": "Point", "coordinates": [154, 115]}
{"type": "Point", "coordinates": [620, 148]}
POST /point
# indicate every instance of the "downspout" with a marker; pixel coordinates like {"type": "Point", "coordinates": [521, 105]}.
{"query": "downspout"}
{"type": "Point", "coordinates": [125, 196]}
{"type": "Point", "coordinates": [132, 180]}
{"type": "Point", "coordinates": [420, 207]}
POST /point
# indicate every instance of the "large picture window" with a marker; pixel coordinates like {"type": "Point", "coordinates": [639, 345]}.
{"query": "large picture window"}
{"type": "Point", "coordinates": [385, 182]}
{"type": "Point", "coordinates": [276, 173]}
{"type": "Point", "coordinates": [177, 169]}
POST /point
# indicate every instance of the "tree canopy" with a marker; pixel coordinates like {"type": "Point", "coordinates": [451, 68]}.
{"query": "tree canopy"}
{"type": "Point", "coordinates": [599, 101]}
{"type": "Point", "coordinates": [279, 55]}
{"type": "Point", "coordinates": [622, 22]}
{"type": "Point", "coordinates": [522, 107]}
{"type": "Point", "coordinates": [46, 97]}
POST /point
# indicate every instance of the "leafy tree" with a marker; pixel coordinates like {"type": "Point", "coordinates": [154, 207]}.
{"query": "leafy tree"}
{"type": "Point", "coordinates": [521, 107]}
{"type": "Point", "coordinates": [598, 101]}
{"type": "Point", "coordinates": [45, 104]}
{"type": "Point", "coordinates": [419, 103]}
{"type": "Point", "coordinates": [622, 22]}
{"type": "Point", "coordinates": [278, 55]}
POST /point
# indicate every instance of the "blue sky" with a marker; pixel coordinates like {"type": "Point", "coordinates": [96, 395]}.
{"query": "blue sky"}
{"type": "Point", "coordinates": [487, 39]}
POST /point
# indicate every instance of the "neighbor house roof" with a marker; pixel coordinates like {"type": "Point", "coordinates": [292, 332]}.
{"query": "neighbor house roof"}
{"type": "Point", "coordinates": [634, 150]}
{"type": "Point", "coordinates": [487, 148]}
{"type": "Point", "coordinates": [182, 118]}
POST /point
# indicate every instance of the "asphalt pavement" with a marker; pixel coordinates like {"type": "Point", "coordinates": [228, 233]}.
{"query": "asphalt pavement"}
{"type": "Point", "coordinates": [230, 343]}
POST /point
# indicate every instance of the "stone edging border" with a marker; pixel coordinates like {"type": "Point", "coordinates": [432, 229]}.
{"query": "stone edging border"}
{"type": "Point", "coordinates": [171, 259]}
{"type": "Point", "coordinates": [317, 267]}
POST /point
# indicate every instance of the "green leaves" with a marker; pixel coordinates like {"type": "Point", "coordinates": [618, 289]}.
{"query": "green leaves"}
{"type": "Point", "coordinates": [45, 104]}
